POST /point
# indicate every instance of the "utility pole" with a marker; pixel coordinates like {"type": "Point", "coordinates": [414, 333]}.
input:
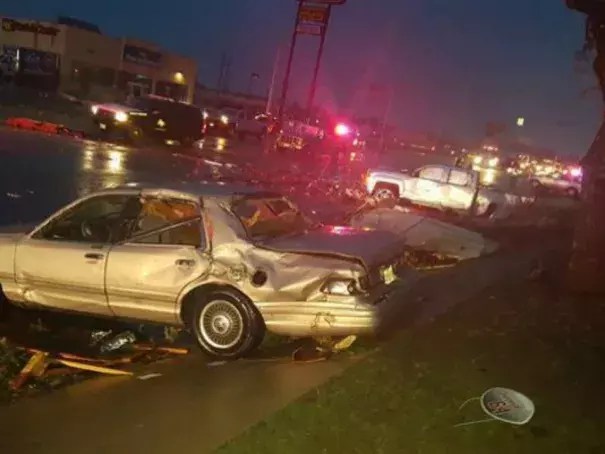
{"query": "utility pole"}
{"type": "Point", "coordinates": [253, 76]}
{"type": "Point", "coordinates": [221, 73]}
{"type": "Point", "coordinates": [273, 78]}
{"type": "Point", "coordinates": [320, 52]}
{"type": "Point", "coordinates": [385, 119]}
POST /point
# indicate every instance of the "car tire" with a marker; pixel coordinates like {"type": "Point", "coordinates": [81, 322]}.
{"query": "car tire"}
{"type": "Point", "coordinates": [572, 193]}
{"type": "Point", "coordinates": [226, 325]}
{"type": "Point", "coordinates": [186, 142]}
{"type": "Point", "coordinates": [385, 191]}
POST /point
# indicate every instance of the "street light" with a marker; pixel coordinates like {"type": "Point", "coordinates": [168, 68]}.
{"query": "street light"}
{"type": "Point", "coordinates": [520, 122]}
{"type": "Point", "coordinates": [179, 77]}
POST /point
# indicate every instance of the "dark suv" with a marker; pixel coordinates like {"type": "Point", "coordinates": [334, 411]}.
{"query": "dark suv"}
{"type": "Point", "coordinates": [155, 118]}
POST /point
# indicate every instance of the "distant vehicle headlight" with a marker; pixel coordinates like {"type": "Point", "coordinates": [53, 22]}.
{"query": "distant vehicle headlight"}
{"type": "Point", "coordinates": [224, 119]}
{"type": "Point", "coordinates": [205, 115]}
{"type": "Point", "coordinates": [342, 287]}
{"type": "Point", "coordinates": [121, 117]}
{"type": "Point", "coordinates": [94, 110]}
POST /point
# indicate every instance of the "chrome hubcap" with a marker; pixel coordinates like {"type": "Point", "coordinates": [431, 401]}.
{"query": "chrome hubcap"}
{"type": "Point", "coordinates": [221, 324]}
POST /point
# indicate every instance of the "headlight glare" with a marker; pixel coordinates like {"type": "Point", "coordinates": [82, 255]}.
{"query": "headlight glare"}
{"type": "Point", "coordinates": [121, 117]}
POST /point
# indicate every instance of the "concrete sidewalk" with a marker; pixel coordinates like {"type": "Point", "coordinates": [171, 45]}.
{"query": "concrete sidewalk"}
{"type": "Point", "coordinates": [192, 407]}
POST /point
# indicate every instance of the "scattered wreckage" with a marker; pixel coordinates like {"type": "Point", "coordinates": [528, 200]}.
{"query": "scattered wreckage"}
{"type": "Point", "coordinates": [225, 262]}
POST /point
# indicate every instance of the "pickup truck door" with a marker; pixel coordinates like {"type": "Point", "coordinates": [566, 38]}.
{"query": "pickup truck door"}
{"type": "Point", "coordinates": [461, 189]}
{"type": "Point", "coordinates": [430, 186]}
{"type": "Point", "coordinates": [165, 252]}
{"type": "Point", "coordinates": [61, 265]}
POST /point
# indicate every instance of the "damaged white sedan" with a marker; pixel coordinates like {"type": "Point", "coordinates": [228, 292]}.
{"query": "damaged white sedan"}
{"type": "Point", "coordinates": [228, 263]}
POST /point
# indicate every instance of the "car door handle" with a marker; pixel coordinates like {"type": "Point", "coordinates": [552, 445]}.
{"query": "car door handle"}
{"type": "Point", "coordinates": [184, 262]}
{"type": "Point", "coordinates": [93, 256]}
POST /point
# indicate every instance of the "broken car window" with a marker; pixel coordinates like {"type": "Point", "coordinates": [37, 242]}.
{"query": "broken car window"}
{"type": "Point", "coordinates": [102, 219]}
{"type": "Point", "coordinates": [270, 217]}
{"type": "Point", "coordinates": [159, 213]}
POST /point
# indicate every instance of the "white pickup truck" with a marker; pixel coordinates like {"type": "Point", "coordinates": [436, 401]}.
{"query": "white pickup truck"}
{"type": "Point", "coordinates": [446, 188]}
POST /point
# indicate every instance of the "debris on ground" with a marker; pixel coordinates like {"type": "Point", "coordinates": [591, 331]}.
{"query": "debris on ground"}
{"type": "Point", "coordinates": [502, 404]}
{"type": "Point", "coordinates": [41, 126]}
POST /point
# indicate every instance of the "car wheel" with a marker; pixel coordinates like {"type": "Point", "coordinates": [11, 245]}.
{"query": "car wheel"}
{"type": "Point", "coordinates": [572, 192]}
{"type": "Point", "coordinates": [186, 142]}
{"type": "Point", "coordinates": [385, 192]}
{"type": "Point", "coordinates": [226, 324]}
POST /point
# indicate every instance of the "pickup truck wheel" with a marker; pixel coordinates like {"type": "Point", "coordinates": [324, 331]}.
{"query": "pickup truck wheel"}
{"type": "Point", "coordinates": [226, 324]}
{"type": "Point", "coordinates": [386, 191]}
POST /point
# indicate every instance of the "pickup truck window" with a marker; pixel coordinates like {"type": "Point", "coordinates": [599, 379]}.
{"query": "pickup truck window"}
{"type": "Point", "coordinates": [459, 178]}
{"type": "Point", "coordinates": [433, 173]}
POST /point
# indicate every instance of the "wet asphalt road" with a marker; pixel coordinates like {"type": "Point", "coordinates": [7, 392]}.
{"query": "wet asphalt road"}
{"type": "Point", "coordinates": [39, 173]}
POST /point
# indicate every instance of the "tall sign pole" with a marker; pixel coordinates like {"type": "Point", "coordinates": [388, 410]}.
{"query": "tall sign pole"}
{"type": "Point", "coordinates": [286, 83]}
{"type": "Point", "coordinates": [311, 19]}
{"type": "Point", "coordinates": [320, 52]}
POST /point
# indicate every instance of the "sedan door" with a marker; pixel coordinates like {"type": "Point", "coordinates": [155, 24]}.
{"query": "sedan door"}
{"type": "Point", "coordinates": [147, 273]}
{"type": "Point", "coordinates": [61, 265]}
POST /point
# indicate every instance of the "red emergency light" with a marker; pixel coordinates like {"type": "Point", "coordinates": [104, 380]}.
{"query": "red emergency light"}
{"type": "Point", "coordinates": [342, 130]}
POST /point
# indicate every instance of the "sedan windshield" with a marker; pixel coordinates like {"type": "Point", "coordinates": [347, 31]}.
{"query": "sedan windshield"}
{"type": "Point", "coordinates": [270, 217]}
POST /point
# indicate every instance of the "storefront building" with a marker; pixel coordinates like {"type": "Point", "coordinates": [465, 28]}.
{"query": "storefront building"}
{"type": "Point", "coordinates": [83, 59]}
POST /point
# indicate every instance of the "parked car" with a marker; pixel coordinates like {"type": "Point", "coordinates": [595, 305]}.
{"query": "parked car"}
{"type": "Point", "coordinates": [446, 188]}
{"type": "Point", "coordinates": [250, 124]}
{"type": "Point", "coordinates": [226, 262]}
{"type": "Point", "coordinates": [567, 185]}
{"type": "Point", "coordinates": [156, 118]}
{"type": "Point", "coordinates": [219, 123]}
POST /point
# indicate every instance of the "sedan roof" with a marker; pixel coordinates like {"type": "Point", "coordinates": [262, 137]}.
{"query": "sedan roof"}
{"type": "Point", "coordinates": [201, 189]}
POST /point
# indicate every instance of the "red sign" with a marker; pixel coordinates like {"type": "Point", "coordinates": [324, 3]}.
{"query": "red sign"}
{"type": "Point", "coordinates": [313, 14]}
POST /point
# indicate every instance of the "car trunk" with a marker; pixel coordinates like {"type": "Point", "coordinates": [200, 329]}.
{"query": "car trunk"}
{"type": "Point", "coordinates": [371, 248]}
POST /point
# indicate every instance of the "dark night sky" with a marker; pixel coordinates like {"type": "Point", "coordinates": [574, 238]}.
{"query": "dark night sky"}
{"type": "Point", "coordinates": [455, 64]}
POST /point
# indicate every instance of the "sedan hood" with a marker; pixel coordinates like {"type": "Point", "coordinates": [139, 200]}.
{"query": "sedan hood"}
{"type": "Point", "coordinates": [370, 247]}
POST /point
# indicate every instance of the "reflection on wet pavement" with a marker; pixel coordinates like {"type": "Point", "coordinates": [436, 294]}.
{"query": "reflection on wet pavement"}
{"type": "Point", "coordinates": [40, 173]}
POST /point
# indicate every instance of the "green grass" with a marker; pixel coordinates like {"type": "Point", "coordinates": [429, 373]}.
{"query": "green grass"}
{"type": "Point", "coordinates": [405, 398]}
